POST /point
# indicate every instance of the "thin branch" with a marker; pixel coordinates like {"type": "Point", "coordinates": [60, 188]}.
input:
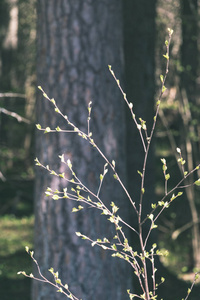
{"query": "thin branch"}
{"type": "Point", "coordinates": [2, 177]}
{"type": "Point", "coordinates": [12, 95]}
{"type": "Point", "coordinates": [194, 280]}
{"type": "Point", "coordinates": [14, 115]}
{"type": "Point", "coordinates": [180, 230]}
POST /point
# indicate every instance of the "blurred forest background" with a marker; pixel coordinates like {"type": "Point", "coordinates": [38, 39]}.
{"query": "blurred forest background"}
{"type": "Point", "coordinates": [178, 126]}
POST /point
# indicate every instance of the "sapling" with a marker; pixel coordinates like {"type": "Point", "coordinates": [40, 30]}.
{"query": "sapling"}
{"type": "Point", "coordinates": [119, 245]}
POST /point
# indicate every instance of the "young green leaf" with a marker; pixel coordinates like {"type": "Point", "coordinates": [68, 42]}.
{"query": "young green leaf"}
{"type": "Point", "coordinates": [197, 182]}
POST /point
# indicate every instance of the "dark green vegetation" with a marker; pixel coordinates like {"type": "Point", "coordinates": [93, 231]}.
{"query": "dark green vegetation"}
{"type": "Point", "coordinates": [17, 81]}
{"type": "Point", "coordinates": [16, 232]}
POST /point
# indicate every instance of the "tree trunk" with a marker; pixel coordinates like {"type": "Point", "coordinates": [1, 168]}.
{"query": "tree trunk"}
{"type": "Point", "coordinates": [189, 48]}
{"type": "Point", "coordinates": [139, 45]}
{"type": "Point", "coordinates": [189, 56]}
{"type": "Point", "coordinates": [139, 32]}
{"type": "Point", "coordinates": [76, 42]}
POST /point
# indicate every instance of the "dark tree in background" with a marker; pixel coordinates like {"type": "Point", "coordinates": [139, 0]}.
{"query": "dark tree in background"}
{"type": "Point", "coordinates": [189, 49]}
{"type": "Point", "coordinates": [76, 42]}
{"type": "Point", "coordinates": [139, 49]}
{"type": "Point", "coordinates": [190, 99]}
{"type": "Point", "coordinates": [139, 45]}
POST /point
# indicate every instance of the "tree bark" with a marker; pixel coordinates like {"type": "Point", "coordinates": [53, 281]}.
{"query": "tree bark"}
{"type": "Point", "coordinates": [76, 42]}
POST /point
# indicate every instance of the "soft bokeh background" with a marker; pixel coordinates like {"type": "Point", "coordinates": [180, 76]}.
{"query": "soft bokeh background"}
{"type": "Point", "coordinates": [178, 125]}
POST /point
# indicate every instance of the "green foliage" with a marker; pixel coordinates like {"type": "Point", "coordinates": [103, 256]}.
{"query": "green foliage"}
{"type": "Point", "coordinates": [19, 232]}
{"type": "Point", "coordinates": [15, 234]}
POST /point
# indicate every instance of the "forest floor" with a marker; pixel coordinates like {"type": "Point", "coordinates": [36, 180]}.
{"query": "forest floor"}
{"type": "Point", "coordinates": [16, 233]}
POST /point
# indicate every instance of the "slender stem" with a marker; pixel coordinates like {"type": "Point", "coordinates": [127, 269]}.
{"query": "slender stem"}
{"type": "Point", "coordinates": [194, 280]}
{"type": "Point", "coordinates": [117, 176]}
{"type": "Point", "coordinates": [130, 107]}
{"type": "Point", "coordinates": [153, 274]}
{"type": "Point", "coordinates": [146, 284]}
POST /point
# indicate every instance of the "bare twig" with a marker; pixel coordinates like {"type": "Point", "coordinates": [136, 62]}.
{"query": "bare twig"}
{"type": "Point", "coordinates": [14, 115]}
{"type": "Point", "coordinates": [12, 95]}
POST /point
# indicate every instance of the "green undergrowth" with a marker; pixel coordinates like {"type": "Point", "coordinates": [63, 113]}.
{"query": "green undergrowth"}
{"type": "Point", "coordinates": [15, 234]}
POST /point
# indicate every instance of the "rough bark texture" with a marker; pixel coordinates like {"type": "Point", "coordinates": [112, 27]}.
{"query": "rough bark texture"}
{"type": "Point", "coordinates": [76, 41]}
